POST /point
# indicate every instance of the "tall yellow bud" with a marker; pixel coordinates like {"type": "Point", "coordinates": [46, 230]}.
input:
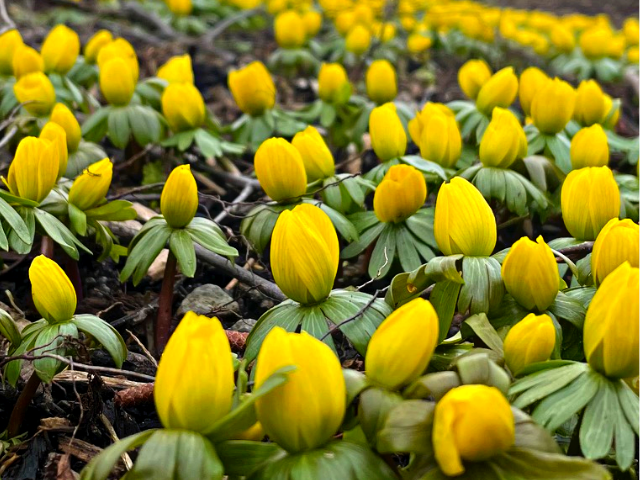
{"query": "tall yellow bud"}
{"type": "Point", "coordinates": [9, 42]}
{"type": "Point", "coordinates": [58, 137]}
{"type": "Point", "coordinates": [503, 141]}
{"type": "Point", "coordinates": [440, 139]}
{"type": "Point", "coordinates": [499, 91]}
{"type": "Point", "coordinates": [52, 291]}
{"type": "Point", "coordinates": [253, 89]}
{"type": "Point", "coordinates": [177, 69]}
{"type": "Point", "coordinates": [289, 29]}
{"type": "Point", "coordinates": [117, 82]}
{"type": "Point", "coordinates": [183, 107]}
{"type": "Point", "coordinates": [60, 49]}
{"type": "Point", "coordinates": [333, 84]}
{"type": "Point", "coordinates": [532, 80]}
{"type": "Point", "coordinates": [179, 199]}
{"type": "Point", "coordinates": [26, 60]}
{"type": "Point", "coordinates": [280, 169]}
{"type": "Point", "coordinates": [358, 39]}
{"type": "Point", "coordinates": [472, 76]}
{"type": "Point", "coordinates": [34, 169]}
{"type": "Point", "coordinates": [589, 148]}
{"type": "Point", "coordinates": [552, 107]}
{"type": "Point", "coordinates": [616, 243]}
{"type": "Point", "coordinates": [63, 117]}
{"type": "Point", "coordinates": [316, 156]}
{"type": "Point", "coordinates": [95, 44]}
{"type": "Point", "coordinates": [382, 86]}
{"type": "Point", "coordinates": [388, 137]}
{"type": "Point", "coordinates": [591, 106]}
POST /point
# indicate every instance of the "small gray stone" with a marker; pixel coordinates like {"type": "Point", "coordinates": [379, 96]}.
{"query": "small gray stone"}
{"type": "Point", "coordinates": [209, 300]}
{"type": "Point", "coordinates": [244, 325]}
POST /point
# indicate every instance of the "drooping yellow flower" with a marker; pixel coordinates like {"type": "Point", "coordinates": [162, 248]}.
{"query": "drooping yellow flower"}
{"type": "Point", "coordinates": [416, 124]}
{"type": "Point", "coordinates": [503, 141]}
{"type": "Point", "coordinates": [315, 391]}
{"type": "Point", "coordinates": [401, 193]}
{"type": "Point", "coordinates": [499, 91]}
{"type": "Point", "coordinates": [552, 107]}
{"type": "Point", "coordinates": [90, 188]}
{"type": "Point", "coordinates": [34, 169]}
{"type": "Point", "coordinates": [531, 82]}
{"type": "Point", "coordinates": [180, 7]}
{"type": "Point", "coordinates": [531, 340]}
{"type": "Point", "coordinates": [471, 423]}
{"type": "Point", "coordinates": [194, 383]}
{"type": "Point", "coordinates": [52, 291]}
{"type": "Point", "coordinates": [464, 222]}
{"type": "Point", "coordinates": [60, 49]}
{"type": "Point", "coordinates": [381, 82]}
{"type": "Point", "coordinates": [440, 139]}
{"type": "Point", "coordinates": [590, 103]}
{"type": "Point", "coordinates": [312, 21]}
{"type": "Point", "coordinates": [253, 89]}
{"type": "Point", "coordinates": [590, 198]}
{"type": "Point", "coordinates": [289, 29]}
{"type": "Point", "coordinates": [183, 107]}
{"type": "Point", "coordinates": [26, 60]}
{"type": "Point", "coordinates": [304, 254]}
{"type": "Point", "coordinates": [611, 325]}
{"type": "Point", "coordinates": [616, 243]}
{"type": "Point", "coordinates": [63, 117]}
{"type": "Point", "coordinates": [177, 69]}
{"type": "Point", "coordinates": [472, 76]}
{"type": "Point", "coordinates": [333, 84]}
{"type": "Point", "coordinates": [563, 38]}
{"type": "Point", "coordinates": [388, 137]}
{"type": "Point", "coordinates": [358, 39]}
{"type": "Point", "coordinates": [58, 137]}
{"type": "Point", "coordinates": [116, 82]}
{"type": "Point", "coordinates": [95, 44]}
{"type": "Point", "coordinates": [396, 356]}
{"type": "Point", "coordinates": [316, 156]}
{"type": "Point", "coordinates": [530, 274]}
{"type": "Point", "coordinates": [9, 42]}
{"type": "Point", "coordinates": [589, 148]}
{"type": "Point", "coordinates": [36, 92]}
{"type": "Point", "coordinates": [280, 169]}
{"type": "Point", "coordinates": [120, 48]}
{"type": "Point", "coordinates": [179, 199]}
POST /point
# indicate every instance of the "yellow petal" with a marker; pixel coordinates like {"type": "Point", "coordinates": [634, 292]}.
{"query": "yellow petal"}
{"type": "Point", "coordinates": [52, 291]}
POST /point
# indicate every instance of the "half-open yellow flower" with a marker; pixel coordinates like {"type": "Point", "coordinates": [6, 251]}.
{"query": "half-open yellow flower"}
{"type": "Point", "coordinates": [253, 89]}
{"type": "Point", "coordinates": [34, 169]}
{"type": "Point", "coordinates": [177, 69]}
{"type": "Point", "coordinates": [36, 92]}
{"type": "Point", "coordinates": [60, 49]}
{"type": "Point", "coordinates": [400, 194]}
{"type": "Point", "coordinates": [183, 107]}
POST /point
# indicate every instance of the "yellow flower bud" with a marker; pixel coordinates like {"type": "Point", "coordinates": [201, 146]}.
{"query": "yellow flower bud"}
{"type": "Point", "coordinates": [26, 60]}
{"type": "Point", "coordinates": [358, 39]}
{"type": "Point", "coordinates": [590, 148]}
{"type": "Point", "coordinates": [280, 169]}
{"type": "Point", "coordinates": [531, 340]}
{"type": "Point", "coordinates": [177, 70]}
{"type": "Point", "coordinates": [418, 43]}
{"type": "Point", "coordinates": [304, 254]}
{"type": "Point", "coordinates": [253, 89]}
{"type": "Point", "coordinates": [590, 198]}
{"type": "Point", "coordinates": [563, 38]}
{"type": "Point", "coordinates": [316, 156]}
{"type": "Point", "coordinates": [590, 103]}
{"type": "Point", "coordinates": [333, 84]}
{"type": "Point", "coordinates": [499, 91]}
{"type": "Point", "coordinates": [472, 423]}
{"type": "Point", "coordinates": [180, 7]}
{"type": "Point", "coordinates": [530, 274]}
{"type": "Point", "coordinates": [194, 383]}
{"type": "Point", "coordinates": [36, 92]}
{"type": "Point", "coordinates": [34, 169]}
{"type": "Point", "coordinates": [611, 325]}
{"type": "Point", "coordinates": [416, 124]}
{"type": "Point", "coordinates": [120, 48]}
{"type": "Point", "coordinates": [552, 107]}
{"type": "Point", "coordinates": [440, 139]}
{"type": "Point", "coordinates": [388, 137]}
{"type": "Point", "coordinates": [631, 31]}
{"type": "Point", "coordinates": [532, 81]}
{"type": "Point", "coordinates": [464, 222]}
{"type": "Point", "coordinates": [58, 137]}
{"type": "Point", "coordinates": [312, 21]}
{"type": "Point", "coordinates": [611, 116]}
{"type": "Point", "coordinates": [254, 433]}
{"type": "Point", "coordinates": [183, 107]}
{"type": "Point", "coordinates": [396, 356]}
{"type": "Point", "coordinates": [503, 141]}
{"type": "Point", "coordinates": [616, 243]}
{"type": "Point", "coordinates": [90, 188]}
{"type": "Point", "coordinates": [9, 42]}
{"type": "Point", "coordinates": [52, 291]}
{"type": "Point", "coordinates": [595, 41]}
{"type": "Point", "coordinates": [472, 76]}
{"type": "Point", "coordinates": [179, 199]}
{"type": "Point", "coordinates": [345, 21]}
{"type": "Point", "coordinates": [316, 383]}
{"type": "Point", "coordinates": [616, 46]}
{"type": "Point", "coordinates": [381, 82]}
{"type": "Point", "coordinates": [95, 44]}
{"type": "Point", "coordinates": [633, 54]}
{"type": "Point", "coordinates": [63, 117]}
{"type": "Point", "coordinates": [384, 32]}
{"type": "Point", "coordinates": [116, 82]}
{"type": "Point", "coordinates": [289, 29]}
{"type": "Point", "coordinates": [401, 193]}
{"type": "Point", "coordinates": [60, 49]}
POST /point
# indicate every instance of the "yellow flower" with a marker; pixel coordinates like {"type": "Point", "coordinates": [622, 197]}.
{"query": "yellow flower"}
{"type": "Point", "coordinates": [90, 188]}
{"type": "Point", "coordinates": [289, 29]}
{"type": "Point", "coordinates": [179, 199]}
{"type": "Point", "coordinates": [36, 92]}
{"type": "Point", "coordinates": [563, 38]}
{"type": "Point", "coordinates": [254, 433]}
{"type": "Point", "coordinates": [530, 274]}
{"type": "Point", "coordinates": [312, 21]}
{"type": "Point", "coordinates": [253, 89]}
{"type": "Point", "coordinates": [177, 70]}
{"type": "Point", "coordinates": [333, 84]}
{"type": "Point", "coordinates": [280, 169]}
{"type": "Point", "coordinates": [590, 148]}
{"type": "Point", "coordinates": [472, 423]}
{"type": "Point", "coordinates": [34, 169]}
{"type": "Point", "coordinates": [611, 325]}
{"type": "Point", "coordinates": [316, 156]}
{"type": "Point", "coordinates": [532, 81]}
{"type": "Point", "coordinates": [9, 43]}
{"type": "Point", "coordinates": [345, 21]}
{"type": "Point", "coordinates": [60, 49]}
{"type": "Point", "coordinates": [531, 340]}
{"type": "Point", "coordinates": [616, 243]}
{"type": "Point", "coordinates": [384, 32]}
{"type": "Point", "coordinates": [63, 117]}
{"type": "Point", "coordinates": [464, 222]}
{"type": "Point", "coordinates": [396, 356]}
{"type": "Point", "coordinates": [183, 107]}
{"type": "Point", "coordinates": [116, 82]}
{"type": "Point", "coordinates": [499, 91]}
{"type": "Point", "coordinates": [418, 43]}
{"type": "Point", "coordinates": [595, 41]}
{"type": "Point", "coordinates": [388, 137]}
{"type": "Point", "coordinates": [612, 114]}
{"type": "Point", "coordinates": [631, 31]}
{"type": "Point", "coordinates": [120, 48]}
{"type": "Point", "coordinates": [180, 7]}
{"type": "Point", "coordinates": [401, 193]}
{"type": "Point", "coordinates": [440, 139]}
{"type": "Point", "coordinates": [194, 383]}
{"type": "Point", "coordinates": [358, 39]}
{"type": "Point", "coordinates": [26, 60]}
{"type": "Point", "coordinates": [316, 386]}
{"type": "Point", "coordinates": [58, 137]}
{"type": "Point", "coordinates": [381, 82]}
{"type": "Point", "coordinates": [52, 291]}
{"type": "Point", "coordinates": [552, 107]}
{"type": "Point", "coordinates": [304, 254]}
{"type": "Point", "coordinates": [472, 76]}
{"type": "Point", "coordinates": [590, 198]}
{"type": "Point", "coordinates": [503, 141]}
{"type": "Point", "coordinates": [590, 103]}
{"type": "Point", "coordinates": [95, 44]}
{"type": "Point", "coordinates": [416, 124]}
{"type": "Point", "coordinates": [633, 54]}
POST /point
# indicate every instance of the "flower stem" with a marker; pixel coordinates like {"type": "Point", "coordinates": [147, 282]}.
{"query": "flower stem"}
{"type": "Point", "coordinates": [20, 408]}
{"type": "Point", "coordinates": [73, 272]}
{"type": "Point", "coordinates": [165, 303]}
{"type": "Point", "coordinates": [47, 246]}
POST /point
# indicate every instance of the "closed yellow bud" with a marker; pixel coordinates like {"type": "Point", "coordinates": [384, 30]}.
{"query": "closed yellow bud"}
{"type": "Point", "coordinates": [384, 32]}
{"type": "Point", "coordinates": [116, 82]}
{"type": "Point", "coordinates": [9, 42]}
{"type": "Point", "coordinates": [472, 76]}
{"type": "Point", "coordinates": [464, 222]}
{"type": "Point", "coordinates": [531, 82]}
{"type": "Point", "coordinates": [316, 383]}
{"type": "Point", "coordinates": [552, 107]}
{"type": "Point", "coordinates": [26, 60]}
{"type": "Point", "coordinates": [280, 170]}
{"type": "Point", "coordinates": [440, 139]}
{"type": "Point", "coordinates": [304, 254]}
{"type": "Point", "coordinates": [616, 243]}
{"type": "Point", "coordinates": [472, 423]}
{"type": "Point", "coordinates": [180, 7]}
{"type": "Point", "coordinates": [381, 82]}
{"type": "Point", "coordinates": [194, 383]}
{"type": "Point", "coordinates": [60, 49]}
{"type": "Point", "coordinates": [590, 103]}
{"type": "Point", "coordinates": [95, 44]}
{"type": "Point", "coordinates": [531, 340]}
{"type": "Point", "coordinates": [316, 156]}
{"type": "Point", "coordinates": [612, 114]}
{"type": "Point", "coordinates": [333, 84]}
{"type": "Point", "coordinates": [120, 48]}
{"type": "Point", "coordinates": [289, 29]}
{"type": "Point", "coordinates": [90, 187]}
{"type": "Point", "coordinates": [530, 274]}
{"type": "Point", "coordinates": [52, 291]}
{"type": "Point", "coordinates": [177, 70]}
{"type": "Point", "coordinates": [396, 356]}
{"type": "Point", "coordinates": [253, 89]}
{"type": "Point", "coordinates": [563, 38]}
{"type": "Point", "coordinates": [499, 91]}
{"type": "Point", "coordinates": [345, 21]}
{"type": "Point", "coordinates": [503, 141]}
{"type": "Point", "coordinates": [183, 107]}
{"type": "Point", "coordinates": [590, 148]}
{"type": "Point", "coordinates": [58, 137]}
{"type": "Point", "coordinates": [388, 137]}
{"type": "Point", "coordinates": [179, 199]}
{"type": "Point", "coordinates": [63, 117]}
{"type": "Point", "coordinates": [401, 193]}
{"type": "Point", "coordinates": [595, 41]}
{"type": "Point", "coordinates": [416, 124]}
{"type": "Point", "coordinates": [590, 198]}
{"type": "Point", "coordinates": [418, 43]}
{"type": "Point", "coordinates": [611, 325]}
{"type": "Point", "coordinates": [631, 30]}
{"type": "Point", "coordinates": [633, 54]}
{"type": "Point", "coordinates": [358, 39]}
{"type": "Point", "coordinates": [312, 21]}
{"type": "Point", "coordinates": [36, 92]}
{"type": "Point", "coordinates": [34, 169]}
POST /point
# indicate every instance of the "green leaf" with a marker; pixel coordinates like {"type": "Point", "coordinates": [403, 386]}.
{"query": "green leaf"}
{"type": "Point", "coordinates": [629, 403]}
{"type": "Point", "coordinates": [144, 252]}
{"type": "Point", "coordinates": [483, 289]}
{"type": "Point", "coordinates": [50, 340]}
{"type": "Point", "coordinates": [344, 227]}
{"type": "Point", "coordinates": [444, 298]}
{"type": "Point", "coordinates": [480, 325]}
{"type": "Point", "coordinates": [356, 382]}
{"type": "Point", "coordinates": [105, 335]}
{"type": "Point", "coordinates": [559, 146]}
{"type": "Point", "coordinates": [383, 253]}
{"type": "Point", "coordinates": [78, 219]}
{"type": "Point", "coordinates": [425, 166]}
{"type": "Point", "coordinates": [538, 385]}
{"type": "Point", "coordinates": [242, 457]}
{"type": "Point", "coordinates": [209, 145]}
{"type": "Point", "coordinates": [119, 130]}
{"type": "Point", "coordinates": [9, 329]}
{"type": "Point", "coordinates": [406, 249]}
{"type": "Point", "coordinates": [208, 235]}
{"type": "Point", "coordinates": [367, 237]}
{"type": "Point", "coordinates": [624, 438]}
{"type": "Point", "coordinates": [181, 245]}
{"type": "Point", "coordinates": [15, 221]}
{"type": "Point", "coordinates": [421, 225]}
{"type": "Point", "coordinates": [145, 124]}
{"type": "Point", "coordinates": [286, 315]}
{"type": "Point", "coordinates": [373, 408]}
{"type": "Point", "coordinates": [315, 324]}
{"type": "Point", "coordinates": [598, 423]}
{"type": "Point", "coordinates": [59, 233]}
{"type": "Point", "coordinates": [115, 211]}
{"type": "Point", "coordinates": [568, 309]}
{"type": "Point", "coordinates": [95, 127]}
{"type": "Point", "coordinates": [434, 385]}
{"type": "Point", "coordinates": [407, 428]}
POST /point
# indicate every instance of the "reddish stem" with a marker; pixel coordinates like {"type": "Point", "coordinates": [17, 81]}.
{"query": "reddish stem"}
{"type": "Point", "coordinates": [47, 247]}
{"type": "Point", "coordinates": [20, 408]}
{"type": "Point", "coordinates": [73, 272]}
{"type": "Point", "coordinates": [165, 304]}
